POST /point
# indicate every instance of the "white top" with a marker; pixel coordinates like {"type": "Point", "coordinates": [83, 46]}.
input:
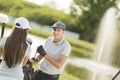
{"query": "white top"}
{"type": "Point", "coordinates": [15, 72]}
{"type": "Point", "coordinates": [54, 50]}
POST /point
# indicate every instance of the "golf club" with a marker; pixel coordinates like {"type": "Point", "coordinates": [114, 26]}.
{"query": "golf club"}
{"type": "Point", "coordinates": [114, 78]}
{"type": "Point", "coordinates": [3, 19]}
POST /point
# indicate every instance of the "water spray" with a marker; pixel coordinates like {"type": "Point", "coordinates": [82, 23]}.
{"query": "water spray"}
{"type": "Point", "coordinates": [105, 41]}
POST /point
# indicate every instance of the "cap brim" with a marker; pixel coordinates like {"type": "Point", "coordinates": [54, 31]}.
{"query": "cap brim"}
{"type": "Point", "coordinates": [58, 27]}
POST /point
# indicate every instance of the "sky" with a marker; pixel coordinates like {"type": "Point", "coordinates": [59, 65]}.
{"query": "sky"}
{"type": "Point", "coordinates": [63, 5]}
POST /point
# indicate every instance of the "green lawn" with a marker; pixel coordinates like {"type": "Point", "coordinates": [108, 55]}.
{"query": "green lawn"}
{"type": "Point", "coordinates": [64, 76]}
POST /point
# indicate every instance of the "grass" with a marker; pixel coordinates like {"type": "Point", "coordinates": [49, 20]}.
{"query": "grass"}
{"type": "Point", "coordinates": [64, 76]}
{"type": "Point", "coordinates": [80, 73]}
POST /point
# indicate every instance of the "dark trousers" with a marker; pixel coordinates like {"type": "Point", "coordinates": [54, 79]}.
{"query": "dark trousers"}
{"type": "Point", "coordinates": [39, 75]}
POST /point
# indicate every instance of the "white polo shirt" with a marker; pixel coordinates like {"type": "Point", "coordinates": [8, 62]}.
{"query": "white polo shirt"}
{"type": "Point", "coordinates": [54, 50]}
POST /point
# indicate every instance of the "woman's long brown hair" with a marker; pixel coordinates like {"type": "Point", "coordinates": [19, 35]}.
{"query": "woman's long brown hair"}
{"type": "Point", "coordinates": [15, 47]}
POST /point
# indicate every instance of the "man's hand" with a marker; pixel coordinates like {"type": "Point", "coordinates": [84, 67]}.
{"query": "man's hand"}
{"type": "Point", "coordinates": [34, 59]}
{"type": "Point", "coordinates": [41, 50]}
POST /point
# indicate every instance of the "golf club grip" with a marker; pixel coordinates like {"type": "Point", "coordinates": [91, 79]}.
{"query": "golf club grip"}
{"type": "Point", "coordinates": [35, 54]}
{"type": "Point", "coordinates": [2, 32]}
{"type": "Point", "coordinates": [116, 75]}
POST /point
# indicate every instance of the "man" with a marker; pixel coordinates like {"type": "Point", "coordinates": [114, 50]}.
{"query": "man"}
{"type": "Point", "coordinates": [55, 53]}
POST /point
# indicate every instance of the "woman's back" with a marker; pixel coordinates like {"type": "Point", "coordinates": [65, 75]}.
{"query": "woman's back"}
{"type": "Point", "coordinates": [15, 49]}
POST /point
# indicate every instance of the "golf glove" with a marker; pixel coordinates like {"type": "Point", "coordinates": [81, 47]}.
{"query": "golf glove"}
{"type": "Point", "coordinates": [41, 50]}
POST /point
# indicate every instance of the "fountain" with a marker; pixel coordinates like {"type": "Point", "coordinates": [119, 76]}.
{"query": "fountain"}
{"type": "Point", "coordinates": [105, 43]}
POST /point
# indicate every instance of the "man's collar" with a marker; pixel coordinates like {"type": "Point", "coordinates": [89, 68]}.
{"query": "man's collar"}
{"type": "Point", "coordinates": [60, 42]}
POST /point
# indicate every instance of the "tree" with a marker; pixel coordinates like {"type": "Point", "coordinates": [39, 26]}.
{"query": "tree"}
{"type": "Point", "coordinates": [92, 12]}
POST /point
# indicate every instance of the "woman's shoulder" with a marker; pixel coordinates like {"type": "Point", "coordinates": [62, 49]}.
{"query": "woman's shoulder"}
{"type": "Point", "coordinates": [3, 41]}
{"type": "Point", "coordinates": [4, 38]}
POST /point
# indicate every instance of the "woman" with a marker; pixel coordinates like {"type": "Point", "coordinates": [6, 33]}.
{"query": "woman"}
{"type": "Point", "coordinates": [16, 50]}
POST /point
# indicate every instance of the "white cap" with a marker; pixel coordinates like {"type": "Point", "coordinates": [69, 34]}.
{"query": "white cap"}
{"type": "Point", "coordinates": [22, 23]}
{"type": "Point", "coordinates": [3, 18]}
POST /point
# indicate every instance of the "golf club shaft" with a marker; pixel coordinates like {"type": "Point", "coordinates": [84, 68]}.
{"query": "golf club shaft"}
{"type": "Point", "coordinates": [2, 32]}
{"type": "Point", "coordinates": [116, 75]}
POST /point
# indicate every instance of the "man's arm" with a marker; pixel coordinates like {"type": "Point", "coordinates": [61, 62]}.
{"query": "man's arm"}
{"type": "Point", "coordinates": [57, 63]}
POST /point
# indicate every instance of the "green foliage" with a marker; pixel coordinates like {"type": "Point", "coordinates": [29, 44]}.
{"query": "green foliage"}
{"type": "Point", "coordinates": [92, 12]}
{"type": "Point", "coordinates": [66, 76]}
{"type": "Point", "coordinates": [40, 32]}
{"type": "Point", "coordinates": [14, 8]}
{"type": "Point", "coordinates": [39, 14]}
{"type": "Point", "coordinates": [86, 24]}
{"type": "Point", "coordinates": [80, 73]}
{"type": "Point", "coordinates": [81, 43]}
{"type": "Point", "coordinates": [80, 52]}
{"type": "Point", "coordinates": [45, 15]}
{"type": "Point", "coordinates": [81, 48]}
